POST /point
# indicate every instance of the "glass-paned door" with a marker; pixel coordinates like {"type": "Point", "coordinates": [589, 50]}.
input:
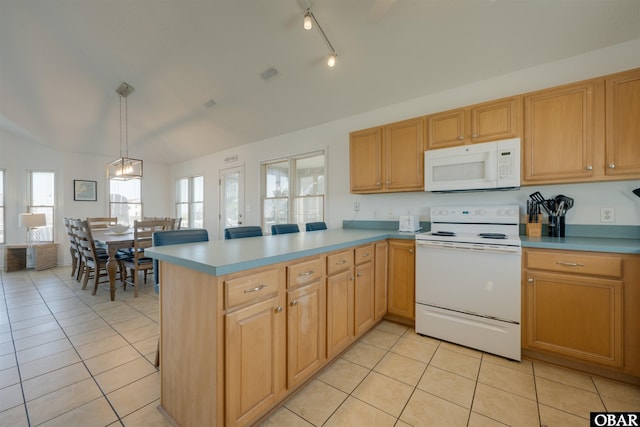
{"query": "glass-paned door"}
{"type": "Point", "coordinates": [231, 198]}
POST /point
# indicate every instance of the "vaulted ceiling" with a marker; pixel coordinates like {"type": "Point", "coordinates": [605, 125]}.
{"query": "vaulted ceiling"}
{"type": "Point", "coordinates": [62, 60]}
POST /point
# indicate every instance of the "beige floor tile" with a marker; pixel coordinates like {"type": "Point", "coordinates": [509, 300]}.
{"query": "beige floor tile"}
{"type": "Point", "coordinates": [448, 386]}
{"type": "Point", "coordinates": [9, 377]}
{"type": "Point", "coordinates": [391, 327]}
{"type": "Point", "coordinates": [61, 401]}
{"type": "Point", "coordinates": [525, 366]}
{"type": "Point", "coordinates": [616, 405]}
{"type": "Point", "coordinates": [14, 417]}
{"type": "Point", "coordinates": [147, 345]}
{"type": "Point", "coordinates": [505, 407]}
{"type": "Point", "coordinates": [8, 361]}
{"type": "Point", "coordinates": [135, 323]}
{"type": "Point", "coordinates": [461, 349]}
{"type": "Point", "coordinates": [123, 375]}
{"type": "Point", "coordinates": [284, 417]}
{"type": "Point", "coordinates": [477, 420]}
{"type": "Point", "coordinates": [364, 355]}
{"type": "Point", "coordinates": [6, 348]}
{"type": "Point", "coordinates": [354, 412]}
{"type": "Point", "coordinates": [554, 417]}
{"type": "Point", "coordinates": [93, 349]}
{"type": "Point", "coordinates": [148, 416]}
{"type": "Point", "coordinates": [380, 339]}
{"type": "Point", "coordinates": [110, 360]}
{"type": "Point", "coordinates": [27, 323]}
{"type": "Point", "coordinates": [10, 396]}
{"type": "Point", "coordinates": [384, 393]}
{"type": "Point", "coordinates": [137, 334]}
{"type": "Point", "coordinates": [564, 376]}
{"type": "Point", "coordinates": [136, 395]}
{"type": "Point", "coordinates": [36, 340]}
{"type": "Point", "coordinates": [86, 327]}
{"type": "Point", "coordinates": [28, 312]}
{"type": "Point", "coordinates": [413, 348]}
{"type": "Point", "coordinates": [566, 398]}
{"type": "Point", "coordinates": [619, 391]}
{"type": "Point", "coordinates": [96, 413]}
{"type": "Point", "coordinates": [44, 350]}
{"type": "Point", "coordinates": [401, 368]}
{"type": "Point", "coordinates": [458, 363]}
{"type": "Point", "coordinates": [55, 380]}
{"type": "Point", "coordinates": [316, 402]}
{"type": "Point", "coordinates": [93, 335]}
{"type": "Point", "coordinates": [343, 375]}
{"type": "Point", "coordinates": [425, 409]}
{"type": "Point", "coordinates": [508, 380]}
{"type": "Point", "coordinates": [80, 314]}
{"type": "Point", "coordinates": [48, 364]}
{"type": "Point", "coordinates": [41, 328]}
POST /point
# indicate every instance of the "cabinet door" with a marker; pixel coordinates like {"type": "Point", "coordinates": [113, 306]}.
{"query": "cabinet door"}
{"type": "Point", "coordinates": [559, 134]}
{"type": "Point", "coordinates": [306, 332]}
{"type": "Point", "coordinates": [255, 360]}
{"type": "Point", "coordinates": [496, 120]}
{"type": "Point", "coordinates": [575, 316]}
{"type": "Point", "coordinates": [404, 156]}
{"type": "Point", "coordinates": [339, 311]}
{"type": "Point", "coordinates": [623, 124]}
{"type": "Point", "coordinates": [365, 160]}
{"type": "Point", "coordinates": [445, 129]}
{"type": "Point", "coordinates": [364, 314]}
{"type": "Point", "coordinates": [380, 279]}
{"type": "Point", "coordinates": [401, 283]}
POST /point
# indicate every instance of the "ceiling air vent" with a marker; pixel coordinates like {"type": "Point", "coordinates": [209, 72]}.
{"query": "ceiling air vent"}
{"type": "Point", "coordinates": [269, 74]}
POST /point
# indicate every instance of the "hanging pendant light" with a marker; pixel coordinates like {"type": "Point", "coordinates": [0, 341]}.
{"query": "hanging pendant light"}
{"type": "Point", "coordinates": [124, 168]}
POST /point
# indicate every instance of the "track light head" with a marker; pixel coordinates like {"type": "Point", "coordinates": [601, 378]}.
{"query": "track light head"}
{"type": "Point", "coordinates": [306, 22]}
{"type": "Point", "coordinates": [332, 59]}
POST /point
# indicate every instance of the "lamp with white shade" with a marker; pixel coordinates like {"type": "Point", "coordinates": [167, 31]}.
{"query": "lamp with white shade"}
{"type": "Point", "coordinates": [31, 221]}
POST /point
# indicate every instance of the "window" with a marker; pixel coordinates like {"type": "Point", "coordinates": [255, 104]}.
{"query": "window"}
{"type": "Point", "coordinates": [190, 201]}
{"type": "Point", "coordinates": [294, 190]}
{"type": "Point", "coordinates": [125, 200]}
{"type": "Point", "coordinates": [2, 237]}
{"type": "Point", "coordinates": [42, 200]}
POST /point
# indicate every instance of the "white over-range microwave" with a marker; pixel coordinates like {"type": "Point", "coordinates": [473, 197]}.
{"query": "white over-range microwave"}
{"type": "Point", "coordinates": [484, 166]}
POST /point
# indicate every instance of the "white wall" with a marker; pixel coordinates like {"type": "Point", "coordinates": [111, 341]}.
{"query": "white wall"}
{"type": "Point", "coordinates": [18, 155]}
{"type": "Point", "coordinates": [335, 136]}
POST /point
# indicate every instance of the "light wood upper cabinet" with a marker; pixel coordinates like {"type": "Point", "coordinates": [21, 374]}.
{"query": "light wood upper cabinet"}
{"type": "Point", "coordinates": [489, 121]}
{"type": "Point", "coordinates": [401, 300]}
{"type": "Point", "coordinates": [622, 113]}
{"type": "Point", "coordinates": [559, 134]}
{"type": "Point", "coordinates": [388, 158]}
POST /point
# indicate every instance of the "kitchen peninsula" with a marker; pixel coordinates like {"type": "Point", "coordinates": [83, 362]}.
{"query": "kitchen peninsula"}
{"type": "Point", "coordinates": [245, 322]}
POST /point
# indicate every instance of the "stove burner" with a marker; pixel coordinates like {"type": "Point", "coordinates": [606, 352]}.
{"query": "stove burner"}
{"type": "Point", "coordinates": [493, 235]}
{"type": "Point", "coordinates": [444, 233]}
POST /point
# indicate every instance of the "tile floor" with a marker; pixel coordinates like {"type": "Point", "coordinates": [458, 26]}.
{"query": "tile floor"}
{"type": "Point", "coordinates": [70, 358]}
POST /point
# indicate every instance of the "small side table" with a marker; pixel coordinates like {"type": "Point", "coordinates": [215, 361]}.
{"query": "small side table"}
{"type": "Point", "coordinates": [15, 256]}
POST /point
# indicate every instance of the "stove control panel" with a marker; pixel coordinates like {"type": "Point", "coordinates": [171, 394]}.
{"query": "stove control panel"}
{"type": "Point", "coordinates": [507, 214]}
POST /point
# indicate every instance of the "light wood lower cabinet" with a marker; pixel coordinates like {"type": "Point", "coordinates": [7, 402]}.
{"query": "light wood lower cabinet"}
{"type": "Point", "coordinates": [581, 309]}
{"type": "Point", "coordinates": [340, 307]}
{"type": "Point", "coordinates": [364, 297]}
{"type": "Point", "coordinates": [381, 266]}
{"type": "Point", "coordinates": [401, 282]}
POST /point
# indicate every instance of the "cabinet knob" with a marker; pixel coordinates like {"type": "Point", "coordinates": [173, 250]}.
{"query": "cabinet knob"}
{"type": "Point", "coordinates": [351, 278]}
{"type": "Point", "coordinates": [278, 309]}
{"type": "Point", "coordinates": [388, 182]}
{"type": "Point", "coordinates": [378, 184]}
{"type": "Point", "coordinates": [359, 274]}
{"type": "Point", "coordinates": [410, 251]}
{"type": "Point", "coordinates": [530, 280]}
{"type": "Point", "coordinates": [475, 135]}
{"type": "Point", "coordinates": [294, 302]}
{"type": "Point", "coordinates": [589, 167]}
{"type": "Point", "coordinates": [612, 165]}
{"type": "Point", "coordinates": [460, 138]}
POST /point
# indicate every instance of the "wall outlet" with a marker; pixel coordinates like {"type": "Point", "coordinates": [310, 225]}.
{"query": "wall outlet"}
{"type": "Point", "coordinates": [607, 215]}
{"type": "Point", "coordinates": [356, 206]}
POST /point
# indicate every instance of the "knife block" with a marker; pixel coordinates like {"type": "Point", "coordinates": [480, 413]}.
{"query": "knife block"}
{"type": "Point", "coordinates": [534, 229]}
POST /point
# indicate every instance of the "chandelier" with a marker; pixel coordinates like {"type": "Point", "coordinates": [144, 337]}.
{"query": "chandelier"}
{"type": "Point", "coordinates": [124, 167]}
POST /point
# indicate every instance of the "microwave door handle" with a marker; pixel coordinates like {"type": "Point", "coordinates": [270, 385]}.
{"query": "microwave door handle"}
{"type": "Point", "coordinates": [491, 167]}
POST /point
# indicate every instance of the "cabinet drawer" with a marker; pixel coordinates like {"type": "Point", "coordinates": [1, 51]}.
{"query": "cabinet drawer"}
{"type": "Point", "coordinates": [245, 289]}
{"type": "Point", "coordinates": [572, 262]}
{"type": "Point", "coordinates": [339, 261]}
{"type": "Point", "coordinates": [304, 272]}
{"type": "Point", "coordinates": [364, 254]}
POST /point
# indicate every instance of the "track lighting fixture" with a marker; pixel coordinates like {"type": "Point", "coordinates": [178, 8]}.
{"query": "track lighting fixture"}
{"type": "Point", "coordinates": [307, 23]}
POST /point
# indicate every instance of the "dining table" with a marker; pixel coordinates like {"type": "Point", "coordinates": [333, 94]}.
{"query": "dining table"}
{"type": "Point", "coordinates": [112, 242]}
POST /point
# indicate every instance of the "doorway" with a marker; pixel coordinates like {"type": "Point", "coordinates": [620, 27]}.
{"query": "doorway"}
{"type": "Point", "coordinates": [231, 198]}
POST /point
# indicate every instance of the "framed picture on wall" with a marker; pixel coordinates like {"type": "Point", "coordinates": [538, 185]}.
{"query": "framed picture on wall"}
{"type": "Point", "coordinates": [84, 191]}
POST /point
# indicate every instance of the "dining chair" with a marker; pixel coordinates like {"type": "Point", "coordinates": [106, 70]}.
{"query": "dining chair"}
{"type": "Point", "coordinates": [174, 237]}
{"type": "Point", "coordinates": [284, 228]}
{"type": "Point", "coordinates": [314, 226]}
{"type": "Point", "coordinates": [93, 262]}
{"type": "Point", "coordinates": [242, 232]}
{"type": "Point", "coordinates": [73, 247]}
{"type": "Point", "coordinates": [142, 239]}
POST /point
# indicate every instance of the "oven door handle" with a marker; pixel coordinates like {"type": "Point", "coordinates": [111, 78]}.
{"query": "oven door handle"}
{"type": "Point", "coordinates": [469, 247]}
